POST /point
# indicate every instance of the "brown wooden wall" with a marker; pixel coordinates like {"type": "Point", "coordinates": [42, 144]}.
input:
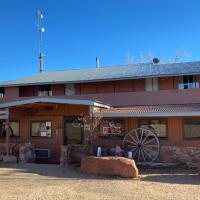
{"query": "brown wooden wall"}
{"type": "Point", "coordinates": [26, 115]}
{"type": "Point", "coordinates": [174, 134]}
{"type": "Point", "coordinates": [39, 113]}
{"type": "Point", "coordinates": [107, 91]}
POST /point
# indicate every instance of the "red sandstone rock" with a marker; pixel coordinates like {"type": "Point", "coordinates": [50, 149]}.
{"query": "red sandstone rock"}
{"type": "Point", "coordinates": [109, 166]}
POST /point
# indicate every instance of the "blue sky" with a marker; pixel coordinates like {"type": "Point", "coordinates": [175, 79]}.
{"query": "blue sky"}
{"type": "Point", "coordinates": [79, 30]}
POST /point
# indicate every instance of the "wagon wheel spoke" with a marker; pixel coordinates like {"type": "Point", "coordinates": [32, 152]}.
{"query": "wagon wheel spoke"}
{"type": "Point", "coordinates": [142, 130]}
{"type": "Point", "coordinates": [133, 139]}
{"type": "Point", "coordinates": [130, 142]}
{"type": "Point", "coordinates": [143, 143]}
{"type": "Point", "coordinates": [144, 159]}
{"type": "Point", "coordinates": [149, 141]}
{"type": "Point", "coordinates": [146, 153]}
{"type": "Point", "coordinates": [136, 133]}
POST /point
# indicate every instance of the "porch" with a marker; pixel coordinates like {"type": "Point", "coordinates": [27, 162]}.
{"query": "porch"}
{"type": "Point", "coordinates": [47, 124]}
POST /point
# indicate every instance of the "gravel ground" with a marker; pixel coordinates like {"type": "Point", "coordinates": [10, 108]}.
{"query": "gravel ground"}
{"type": "Point", "coordinates": [41, 181]}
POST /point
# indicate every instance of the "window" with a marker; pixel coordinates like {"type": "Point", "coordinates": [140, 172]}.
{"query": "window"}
{"type": "Point", "coordinates": [188, 82]}
{"type": "Point", "coordinates": [13, 129]}
{"type": "Point", "coordinates": [191, 128]}
{"type": "Point", "coordinates": [112, 127]}
{"type": "Point", "coordinates": [151, 84]}
{"type": "Point", "coordinates": [70, 89]}
{"type": "Point", "coordinates": [2, 92]}
{"type": "Point", "coordinates": [159, 126]}
{"type": "Point", "coordinates": [45, 90]}
{"type": "Point", "coordinates": [41, 129]}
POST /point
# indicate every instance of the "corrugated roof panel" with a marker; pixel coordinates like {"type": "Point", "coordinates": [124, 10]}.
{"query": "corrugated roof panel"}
{"type": "Point", "coordinates": [109, 73]}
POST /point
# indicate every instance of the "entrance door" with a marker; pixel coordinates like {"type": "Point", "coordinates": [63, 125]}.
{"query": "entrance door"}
{"type": "Point", "coordinates": [73, 131]}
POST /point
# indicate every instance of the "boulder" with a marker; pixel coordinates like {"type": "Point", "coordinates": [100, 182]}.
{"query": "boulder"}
{"type": "Point", "coordinates": [109, 166]}
{"type": "Point", "coordinates": [9, 159]}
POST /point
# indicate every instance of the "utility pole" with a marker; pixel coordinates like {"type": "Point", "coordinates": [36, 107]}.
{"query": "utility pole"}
{"type": "Point", "coordinates": [40, 32]}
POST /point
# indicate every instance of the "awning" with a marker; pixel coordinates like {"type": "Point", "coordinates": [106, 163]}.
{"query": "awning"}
{"type": "Point", "coordinates": [153, 111]}
{"type": "Point", "coordinates": [54, 101]}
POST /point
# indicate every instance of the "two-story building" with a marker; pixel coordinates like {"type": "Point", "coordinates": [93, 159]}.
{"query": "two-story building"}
{"type": "Point", "coordinates": [47, 109]}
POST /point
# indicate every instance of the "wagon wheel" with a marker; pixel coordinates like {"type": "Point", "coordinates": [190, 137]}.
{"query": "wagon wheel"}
{"type": "Point", "coordinates": [143, 143]}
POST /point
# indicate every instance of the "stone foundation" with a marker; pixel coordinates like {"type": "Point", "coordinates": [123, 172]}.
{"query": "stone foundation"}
{"type": "Point", "coordinates": [179, 154]}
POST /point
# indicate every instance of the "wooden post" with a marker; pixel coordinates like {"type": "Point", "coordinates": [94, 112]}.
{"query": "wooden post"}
{"type": "Point", "coordinates": [7, 132]}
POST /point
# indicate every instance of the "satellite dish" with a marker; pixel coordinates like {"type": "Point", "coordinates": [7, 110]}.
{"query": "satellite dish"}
{"type": "Point", "coordinates": [156, 61]}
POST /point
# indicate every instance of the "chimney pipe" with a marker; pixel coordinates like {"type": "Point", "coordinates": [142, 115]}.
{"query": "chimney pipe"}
{"type": "Point", "coordinates": [97, 62]}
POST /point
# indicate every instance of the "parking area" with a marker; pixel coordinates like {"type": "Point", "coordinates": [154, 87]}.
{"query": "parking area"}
{"type": "Point", "coordinates": [43, 181]}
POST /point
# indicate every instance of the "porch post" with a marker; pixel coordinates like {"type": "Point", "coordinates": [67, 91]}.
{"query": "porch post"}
{"type": "Point", "coordinates": [91, 110]}
{"type": "Point", "coordinates": [7, 131]}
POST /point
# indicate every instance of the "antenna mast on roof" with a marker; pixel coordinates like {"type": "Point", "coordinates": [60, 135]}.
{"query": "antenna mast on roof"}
{"type": "Point", "coordinates": [40, 32]}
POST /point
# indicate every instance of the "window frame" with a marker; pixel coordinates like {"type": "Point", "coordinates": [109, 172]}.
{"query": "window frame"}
{"type": "Point", "coordinates": [44, 137]}
{"type": "Point", "coordinates": [13, 136]}
{"type": "Point", "coordinates": [2, 94]}
{"type": "Point", "coordinates": [157, 118]}
{"type": "Point", "coordinates": [181, 82]}
{"type": "Point", "coordinates": [183, 130]}
{"type": "Point", "coordinates": [41, 90]}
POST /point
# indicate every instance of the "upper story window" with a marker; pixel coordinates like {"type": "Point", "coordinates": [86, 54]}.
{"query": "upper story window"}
{"type": "Point", "coordinates": [70, 89]}
{"type": "Point", "coordinates": [151, 84]}
{"type": "Point", "coordinates": [188, 82]}
{"type": "Point", "coordinates": [45, 90]}
{"type": "Point", "coordinates": [2, 92]}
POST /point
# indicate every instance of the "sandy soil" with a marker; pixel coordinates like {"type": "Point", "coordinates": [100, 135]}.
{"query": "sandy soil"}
{"type": "Point", "coordinates": [34, 181]}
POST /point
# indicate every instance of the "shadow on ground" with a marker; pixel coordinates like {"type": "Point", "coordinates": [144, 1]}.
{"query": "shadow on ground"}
{"type": "Point", "coordinates": [171, 176]}
{"type": "Point", "coordinates": [53, 171]}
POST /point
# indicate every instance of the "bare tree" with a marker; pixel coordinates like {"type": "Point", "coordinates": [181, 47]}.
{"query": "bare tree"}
{"type": "Point", "coordinates": [180, 54]}
{"type": "Point", "coordinates": [129, 58]}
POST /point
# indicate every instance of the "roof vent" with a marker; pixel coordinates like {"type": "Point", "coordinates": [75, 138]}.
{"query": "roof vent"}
{"type": "Point", "coordinates": [156, 61]}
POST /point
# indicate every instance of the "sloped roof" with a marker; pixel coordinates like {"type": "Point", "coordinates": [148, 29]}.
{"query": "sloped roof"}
{"type": "Point", "coordinates": [53, 100]}
{"type": "Point", "coordinates": [109, 73]}
{"type": "Point", "coordinates": [153, 111]}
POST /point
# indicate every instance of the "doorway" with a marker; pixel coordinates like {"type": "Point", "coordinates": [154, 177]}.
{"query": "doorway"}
{"type": "Point", "coordinates": [73, 130]}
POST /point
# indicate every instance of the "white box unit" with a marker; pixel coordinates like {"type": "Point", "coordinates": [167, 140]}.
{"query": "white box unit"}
{"type": "Point", "coordinates": [42, 153]}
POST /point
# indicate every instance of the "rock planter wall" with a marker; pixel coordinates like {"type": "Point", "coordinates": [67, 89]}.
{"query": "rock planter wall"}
{"type": "Point", "coordinates": [180, 154]}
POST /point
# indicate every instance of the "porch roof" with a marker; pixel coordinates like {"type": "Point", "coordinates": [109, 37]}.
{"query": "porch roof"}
{"type": "Point", "coordinates": [153, 111]}
{"type": "Point", "coordinates": [54, 101]}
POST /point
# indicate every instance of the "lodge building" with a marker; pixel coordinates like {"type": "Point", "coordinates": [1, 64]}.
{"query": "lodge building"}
{"type": "Point", "coordinates": [47, 109]}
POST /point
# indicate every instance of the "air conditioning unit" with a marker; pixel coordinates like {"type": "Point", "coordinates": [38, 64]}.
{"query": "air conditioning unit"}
{"type": "Point", "coordinates": [42, 153]}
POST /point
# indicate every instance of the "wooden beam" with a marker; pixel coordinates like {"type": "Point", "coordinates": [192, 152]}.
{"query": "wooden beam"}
{"type": "Point", "coordinates": [7, 132]}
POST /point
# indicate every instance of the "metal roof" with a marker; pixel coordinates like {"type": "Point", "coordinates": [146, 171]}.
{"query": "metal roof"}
{"type": "Point", "coordinates": [53, 100]}
{"type": "Point", "coordinates": [152, 111]}
{"type": "Point", "coordinates": [134, 71]}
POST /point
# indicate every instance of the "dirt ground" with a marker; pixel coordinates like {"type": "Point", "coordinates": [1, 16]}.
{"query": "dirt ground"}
{"type": "Point", "coordinates": [41, 181]}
